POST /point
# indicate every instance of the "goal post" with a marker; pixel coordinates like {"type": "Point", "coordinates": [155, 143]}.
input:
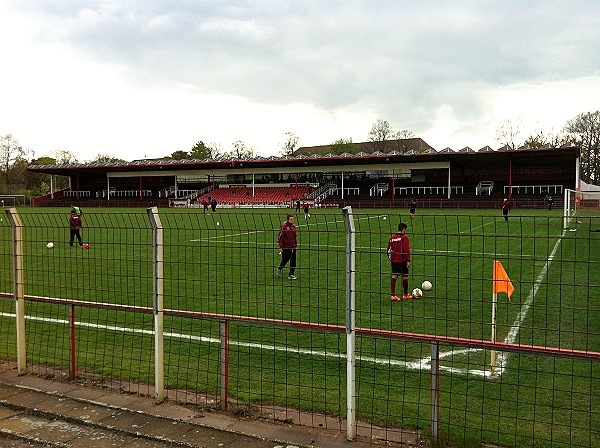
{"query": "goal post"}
{"type": "Point", "coordinates": [12, 200]}
{"type": "Point", "coordinates": [577, 201]}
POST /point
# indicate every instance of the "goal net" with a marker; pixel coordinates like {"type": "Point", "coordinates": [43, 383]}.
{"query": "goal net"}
{"type": "Point", "coordinates": [582, 203]}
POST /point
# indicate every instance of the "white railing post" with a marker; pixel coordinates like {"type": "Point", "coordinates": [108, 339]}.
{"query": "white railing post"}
{"type": "Point", "coordinates": [18, 287]}
{"type": "Point", "coordinates": [158, 288]}
{"type": "Point", "coordinates": [350, 324]}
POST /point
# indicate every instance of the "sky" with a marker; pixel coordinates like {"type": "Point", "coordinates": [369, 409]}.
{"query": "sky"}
{"type": "Point", "coordinates": [138, 79]}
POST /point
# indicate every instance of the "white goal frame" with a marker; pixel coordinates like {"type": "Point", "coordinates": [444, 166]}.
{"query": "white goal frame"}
{"type": "Point", "coordinates": [16, 199]}
{"type": "Point", "coordinates": [575, 199]}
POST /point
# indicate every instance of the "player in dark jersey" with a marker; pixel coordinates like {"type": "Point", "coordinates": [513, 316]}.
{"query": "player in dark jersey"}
{"type": "Point", "coordinates": [287, 246]}
{"type": "Point", "coordinates": [505, 209]}
{"type": "Point", "coordinates": [398, 251]}
{"type": "Point", "coordinates": [412, 206]}
{"type": "Point", "coordinates": [75, 226]}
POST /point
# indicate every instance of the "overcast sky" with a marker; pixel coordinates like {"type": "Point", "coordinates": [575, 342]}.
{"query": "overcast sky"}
{"type": "Point", "coordinates": [144, 78]}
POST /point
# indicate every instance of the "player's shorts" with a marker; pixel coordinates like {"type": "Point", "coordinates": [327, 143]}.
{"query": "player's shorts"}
{"type": "Point", "coordinates": [412, 211]}
{"type": "Point", "coordinates": [400, 268]}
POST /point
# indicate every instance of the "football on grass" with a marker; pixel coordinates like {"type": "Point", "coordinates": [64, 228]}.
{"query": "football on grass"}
{"type": "Point", "coordinates": [50, 245]}
{"type": "Point", "coordinates": [417, 293]}
{"type": "Point", "coordinates": [426, 286]}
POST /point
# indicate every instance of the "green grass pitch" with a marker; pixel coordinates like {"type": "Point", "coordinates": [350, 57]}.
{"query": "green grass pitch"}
{"type": "Point", "coordinates": [225, 263]}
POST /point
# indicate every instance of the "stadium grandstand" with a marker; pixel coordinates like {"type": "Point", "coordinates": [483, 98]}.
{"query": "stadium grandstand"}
{"type": "Point", "coordinates": [403, 170]}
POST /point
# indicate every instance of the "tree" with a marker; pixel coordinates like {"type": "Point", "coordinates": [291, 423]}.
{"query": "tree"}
{"type": "Point", "coordinates": [536, 140]}
{"type": "Point", "coordinates": [343, 145]}
{"type": "Point", "coordinates": [44, 160]}
{"type": "Point", "coordinates": [289, 144]}
{"type": "Point", "coordinates": [404, 136]}
{"type": "Point", "coordinates": [64, 156]}
{"type": "Point", "coordinates": [10, 152]}
{"type": "Point", "coordinates": [216, 150]}
{"type": "Point", "coordinates": [507, 134]}
{"type": "Point", "coordinates": [379, 134]}
{"type": "Point", "coordinates": [584, 129]}
{"type": "Point", "coordinates": [201, 151]}
{"type": "Point", "coordinates": [16, 176]}
{"type": "Point", "coordinates": [106, 158]}
{"type": "Point", "coordinates": [179, 155]}
{"type": "Point", "coordinates": [540, 138]}
{"type": "Point", "coordinates": [240, 151]}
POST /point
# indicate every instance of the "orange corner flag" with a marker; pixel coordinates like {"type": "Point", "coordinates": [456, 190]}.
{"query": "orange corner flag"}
{"type": "Point", "coordinates": [501, 281]}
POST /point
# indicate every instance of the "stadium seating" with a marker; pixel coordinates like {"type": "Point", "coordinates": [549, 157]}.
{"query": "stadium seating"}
{"type": "Point", "coordinates": [239, 196]}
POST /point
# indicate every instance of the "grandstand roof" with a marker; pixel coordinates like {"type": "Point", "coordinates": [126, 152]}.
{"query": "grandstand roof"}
{"type": "Point", "coordinates": [320, 162]}
{"type": "Point", "coordinates": [401, 146]}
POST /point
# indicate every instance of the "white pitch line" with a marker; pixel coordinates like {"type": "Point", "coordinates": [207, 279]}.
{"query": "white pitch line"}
{"type": "Point", "coordinates": [233, 235]}
{"type": "Point", "coordinates": [514, 329]}
{"type": "Point", "coordinates": [204, 339]}
{"type": "Point", "coordinates": [422, 364]}
{"type": "Point", "coordinates": [382, 249]}
{"type": "Point", "coordinates": [511, 337]}
{"type": "Point", "coordinates": [483, 224]}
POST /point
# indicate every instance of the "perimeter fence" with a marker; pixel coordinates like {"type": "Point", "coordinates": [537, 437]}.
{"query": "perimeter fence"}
{"type": "Point", "coordinates": [188, 306]}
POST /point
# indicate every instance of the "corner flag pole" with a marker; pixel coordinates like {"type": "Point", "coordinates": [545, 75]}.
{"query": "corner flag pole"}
{"type": "Point", "coordinates": [501, 283]}
{"type": "Point", "coordinates": [493, 352]}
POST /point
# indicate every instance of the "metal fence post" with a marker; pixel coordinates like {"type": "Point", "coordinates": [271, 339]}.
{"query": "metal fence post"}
{"type": "Point", "coordinates": [350, 323]}
{"type": "Point", "coordinates": [158, 288]}
{"type": "Point", "coordinates": [224, 362]}
{"type": "Point", "coordinates": [18, 287]}
{"type": "Point", "coordinates": [435, 392]}
{"type": "Point", "coordinates": [73, 350]}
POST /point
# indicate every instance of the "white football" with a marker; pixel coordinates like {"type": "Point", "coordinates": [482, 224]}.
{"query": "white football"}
{"type": "Point", "coordinates": [385, 217]}
{"type": "Point", "coordinates": [426, 285]}
{"type": "Point", "coordinates": [50, 245]}
{"type": "Point", "coordinates": [217, 222]}
{"type": "Point", "coordinates": [417, 293]}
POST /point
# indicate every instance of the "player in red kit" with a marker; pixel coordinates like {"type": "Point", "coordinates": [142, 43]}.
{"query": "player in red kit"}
{"type": "Point", "coordinates": [75, 226]}
{"type": "Point", "coordinates": [505, 209]}
{"type": "Point", "coordinates": [398, 251]}
{"type": "Point", "coordinates": [287, 246]}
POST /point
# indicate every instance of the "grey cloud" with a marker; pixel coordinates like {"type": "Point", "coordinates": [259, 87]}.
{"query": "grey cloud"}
{"type": "Point", "coordinates": [395, 56]}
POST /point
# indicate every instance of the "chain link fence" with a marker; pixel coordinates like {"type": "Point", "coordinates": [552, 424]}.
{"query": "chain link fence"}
{"type": "Point", "coordinates": [187, 306]}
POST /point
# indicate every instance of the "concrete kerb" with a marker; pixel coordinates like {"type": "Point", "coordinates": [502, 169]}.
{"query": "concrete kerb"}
{"type": "Point", "coordinates": [276, 424]}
